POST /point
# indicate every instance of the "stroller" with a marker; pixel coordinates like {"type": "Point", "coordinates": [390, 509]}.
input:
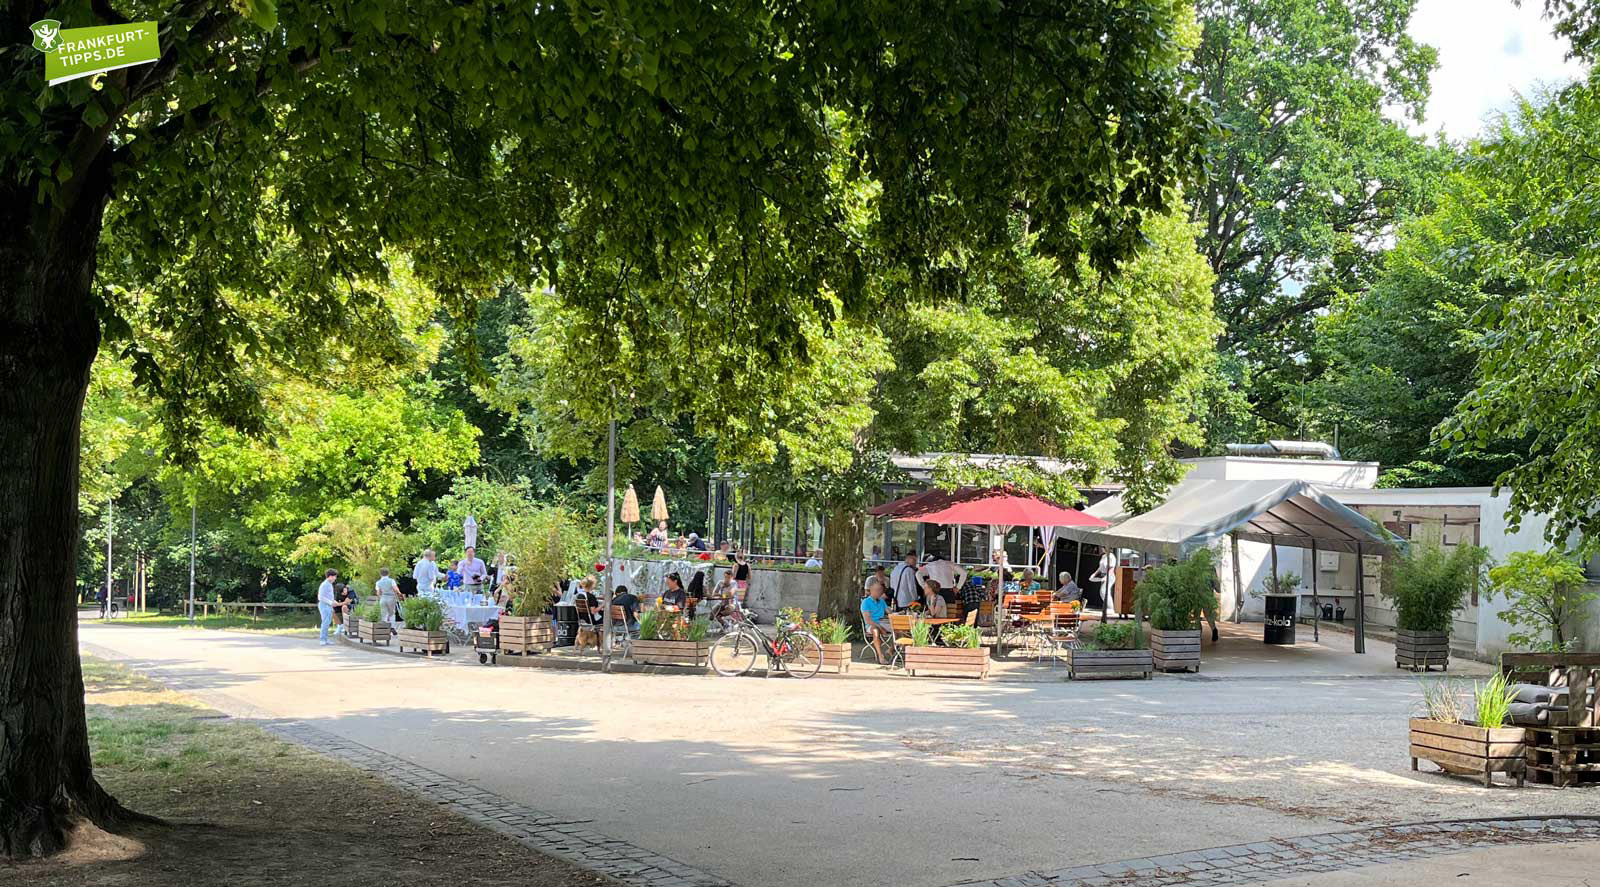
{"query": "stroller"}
{"type": "Point", "coordinates": [486, 642]}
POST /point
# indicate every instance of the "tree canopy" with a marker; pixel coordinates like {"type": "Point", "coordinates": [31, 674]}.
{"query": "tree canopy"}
{"type": "Point", "coordinates": [1306, 174]}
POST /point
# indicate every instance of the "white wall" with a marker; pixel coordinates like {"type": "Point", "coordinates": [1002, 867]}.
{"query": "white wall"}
{"type": "Point", "coordinates": [1317, 471]}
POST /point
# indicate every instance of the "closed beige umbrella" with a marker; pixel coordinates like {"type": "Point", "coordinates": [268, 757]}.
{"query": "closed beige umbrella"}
{"type": "Point", "coordinates": [658, 508]}
{"type": "Point", "coordinates": [630, 509]}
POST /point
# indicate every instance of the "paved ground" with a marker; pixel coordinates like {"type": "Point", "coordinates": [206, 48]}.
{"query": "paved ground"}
{"type": "Point", "coordinates": [915, 782]}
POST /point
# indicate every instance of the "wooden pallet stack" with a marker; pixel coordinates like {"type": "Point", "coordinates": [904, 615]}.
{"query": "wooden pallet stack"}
{"type": "Point", "coordinates": [1563, 756]}
{"type": "Point", "coordinates": [1567, 750]}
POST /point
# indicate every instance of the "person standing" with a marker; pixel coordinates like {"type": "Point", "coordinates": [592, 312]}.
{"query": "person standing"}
{"type": "Point", "coordinates": [325, 602]}
{"type": "Point", "coordinates": [426, 572]}
{"type": "Point", "coordinates": [473, 572]}
{"type": "Point", "coordinates": [904, 583]}
{"type": "Point", "coordinates": [949, 576]}
{"type": "Point", "coordinates": [388, 594]}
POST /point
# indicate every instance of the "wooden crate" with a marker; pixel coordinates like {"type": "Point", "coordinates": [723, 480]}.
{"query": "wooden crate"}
{"type": "Point", "coordinates": [1469, 750]}
{"type": "Point", "coordinates": [1422, 649]}
{"type": "Point", "coordinates": [1563, 756]}
{"type": "Point", "coordinates": [426, 642]}
{"type": "Point", "coordinates": [1175, 650]}
{"type": "Point", "coordinates": [377, 632]}
{"type": "Point", "coordinates": [521, 635]}
{"type": "Point", "coordinates": [837, 657]}
{"type": "Point", "coordinates": [964, 661]}
{"type": "Point", "coordinates": [1086, 664]}
{"type": "Point", "coordinates": [692, 653]}
{"type": "Point", "coordinates": [352, 627]}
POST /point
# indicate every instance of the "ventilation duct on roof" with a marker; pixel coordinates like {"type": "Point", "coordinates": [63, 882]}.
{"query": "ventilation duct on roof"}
{"type": "Point", "coordinates": [1278, 448]}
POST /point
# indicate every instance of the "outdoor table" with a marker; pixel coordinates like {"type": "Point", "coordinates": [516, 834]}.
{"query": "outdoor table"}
{"type": "Point", "coordinates": [464, 616]}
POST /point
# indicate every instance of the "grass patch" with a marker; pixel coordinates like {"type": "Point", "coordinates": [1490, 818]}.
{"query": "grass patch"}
{"type": "Point", "coordinates": [272, 622]}
{"type": "Point", "coordinates": [247, 809]}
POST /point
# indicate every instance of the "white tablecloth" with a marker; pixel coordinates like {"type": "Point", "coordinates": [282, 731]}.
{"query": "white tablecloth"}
{"type": "Point", "coordinates": [462, 616]}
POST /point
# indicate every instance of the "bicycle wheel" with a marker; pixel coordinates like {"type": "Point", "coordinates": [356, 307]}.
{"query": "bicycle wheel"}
{"type": "Point", "coordinates": [804, 658]}
{"type": "Point", "coordinates": [733, 654]}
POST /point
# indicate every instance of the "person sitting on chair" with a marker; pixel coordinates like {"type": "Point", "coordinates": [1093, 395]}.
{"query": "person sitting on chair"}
{"type": "Point", "coordinates": [675, 598]}
{"type": "Point", "coordinates": [627, 600]}
{"type": "Point", "coordinates": [1068, 591]}
{"type": "Point", "coordinates": [875, 618]}
{"type": "Point", "coordinates": [933, 605]}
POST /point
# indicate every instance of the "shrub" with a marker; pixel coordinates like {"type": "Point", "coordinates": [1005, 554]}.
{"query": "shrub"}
{"type": "Point", "coordinates": [369, 612]}
{"type": "Point", "coordinates": [283, 596]}
{"type": "Point", "coordinates": [656, 625]}
{"type": "Point", "coordinates": [1112, 636]}
{"type": "Point", "coordinates": [423, 613]}
{"type": "Point", "coordinates": [1428, 584]}
{"type": "Point", "coordinates": [830, 630]}
{"type": "Point", "coordinates": [1545, 599]}
{"type": "Point", "coordinates": [1283, 583]}
{"type": "Point", "coordinates": [965, 636]}
{"type": "Point", "coordinates": [1176, 595]}
{"type": "Point", "coordinates": [697, 630]}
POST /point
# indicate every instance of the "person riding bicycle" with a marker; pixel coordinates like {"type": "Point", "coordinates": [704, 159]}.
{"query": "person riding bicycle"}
{"type": "Point", "coordinates": [875, 617]}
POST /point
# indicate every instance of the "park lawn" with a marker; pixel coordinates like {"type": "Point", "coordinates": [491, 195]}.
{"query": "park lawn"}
{"type": "Point", "coordinates": [291, 622]}
{"type": "Point", "coordinates": [245, 809]}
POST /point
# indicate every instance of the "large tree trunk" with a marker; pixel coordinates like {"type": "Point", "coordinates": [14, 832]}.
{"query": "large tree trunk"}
{"type": "Point", "coordinates": [841, 563]}
{"type": "Point", "coordinates": [49, 334]}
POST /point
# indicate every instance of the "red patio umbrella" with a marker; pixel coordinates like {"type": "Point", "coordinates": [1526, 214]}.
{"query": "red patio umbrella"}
{"type": "Point", "coordinates": [1003, 507]}
{"type": "Point", "coordinates": [923, 501]}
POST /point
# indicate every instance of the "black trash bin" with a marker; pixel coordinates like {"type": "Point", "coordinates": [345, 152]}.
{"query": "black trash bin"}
{"type": "Point", "coordinates": [566, 625]}
{"type": "Point", "coordinates": [1280, 618]}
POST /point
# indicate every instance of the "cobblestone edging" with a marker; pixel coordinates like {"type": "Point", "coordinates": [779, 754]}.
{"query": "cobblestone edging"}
{"type": "Point", "coordinates": [553, 835]}
{"type": "Point", "coordinates": [1238, 864]}
{"type": "Point", "coordinates": [1310, 854]}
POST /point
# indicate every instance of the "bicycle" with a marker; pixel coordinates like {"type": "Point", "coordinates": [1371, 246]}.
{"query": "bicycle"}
{"type": "Point", "coordinates": [794, 652]}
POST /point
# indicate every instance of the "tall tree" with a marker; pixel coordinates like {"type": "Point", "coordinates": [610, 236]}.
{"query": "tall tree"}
{"type": "Point", "coordinates": [254, 182]}
{"type": "Point", "coordinates": [1306, 171]}
{"type": "Point", "coordinates": [1400, 356]}
{"type": "Point", "coordinates": [1538, 353]}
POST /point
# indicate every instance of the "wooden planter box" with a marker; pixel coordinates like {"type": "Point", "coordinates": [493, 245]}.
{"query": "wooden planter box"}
{"type": "Point", "coordinates": [352, 628]}
{"type": "Point", "coordinates": [1175, 650]}
{"type": "Point", "coordinates": [693, 653]}
{"type": "Point", "coordinates": [376, 632]}
{"type": "Point", "coordinates": [966, 661]}
{"type": "Point", "coordinates": [837, 656]}
{"type": "Point", "coordinates": [521, 635]}
{"type": "Point", "coordinates": [423, 641]}
{"type": "Point", "coordinates": [1083, 664]}
{"type": "Point", "coordinates": [1422, 649]}
{"type": "Point", "coordinates": [1469, 750]}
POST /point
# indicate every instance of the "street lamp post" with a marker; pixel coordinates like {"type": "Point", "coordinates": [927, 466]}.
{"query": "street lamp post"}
{"type": "Point", "coordinates": [611, 527]}
{"type": "Point", "coordinates": [109, 511]}
{"type": "Point", "coordinates": [193, 511]}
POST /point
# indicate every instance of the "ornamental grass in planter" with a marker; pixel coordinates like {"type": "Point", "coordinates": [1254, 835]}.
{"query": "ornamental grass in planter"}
{"type": "Point", "coordinates": [1478, 747]}
{"type": "Point", "coordinates": [834, 634]}
{"type": "Point", "coordinates": [1175, 596]}
{"type": "Point", "coordinates": [424, 631]}
{"type": "Point", "coordinates": [1110, 651]}
{"type": "Point", "coordinates": [961, 655]}
{"type": "Point", "coordinates": [1427, 584]}
{"type": "Point", "coordinates": [666, 638]}
{"type": "Point", "coordinates": [373, 629]}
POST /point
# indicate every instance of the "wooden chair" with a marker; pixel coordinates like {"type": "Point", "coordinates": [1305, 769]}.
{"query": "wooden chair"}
{"type": "Point", "coordinates": [1065, 619]}
{"type": "Point", "coordinates": [900, 624]}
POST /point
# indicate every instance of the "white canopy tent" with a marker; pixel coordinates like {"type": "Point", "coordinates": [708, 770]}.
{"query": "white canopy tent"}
{"type": "Point", "coordinates": [1199, 513]}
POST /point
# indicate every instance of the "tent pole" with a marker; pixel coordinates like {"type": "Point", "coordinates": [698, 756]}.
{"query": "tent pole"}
{"type": "Point", "coordinates": [1361, 602]}
{"type": "Point", "coordinates": [1275, 587]}
{"type": "Point", "coordinates": [1316, 612]}
{"type": "Point", "coordinates": [1238, 585]}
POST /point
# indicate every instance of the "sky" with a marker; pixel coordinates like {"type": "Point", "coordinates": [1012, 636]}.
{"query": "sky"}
{"type": "Point", "coordinates": [1489, 52]}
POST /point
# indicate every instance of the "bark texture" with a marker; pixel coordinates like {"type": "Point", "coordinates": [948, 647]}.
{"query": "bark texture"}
{"type": "Point", "coordinates": [49, 333]}
{"type": "Point", "coordinates": [841, 563]}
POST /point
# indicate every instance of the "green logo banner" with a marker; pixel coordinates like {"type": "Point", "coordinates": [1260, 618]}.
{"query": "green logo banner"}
{"type": "Point", "coordinates": [80, 52]}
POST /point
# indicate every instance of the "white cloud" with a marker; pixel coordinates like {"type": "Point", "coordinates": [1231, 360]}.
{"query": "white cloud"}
{"type": "Point", "coordinates": [1490, 51]}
